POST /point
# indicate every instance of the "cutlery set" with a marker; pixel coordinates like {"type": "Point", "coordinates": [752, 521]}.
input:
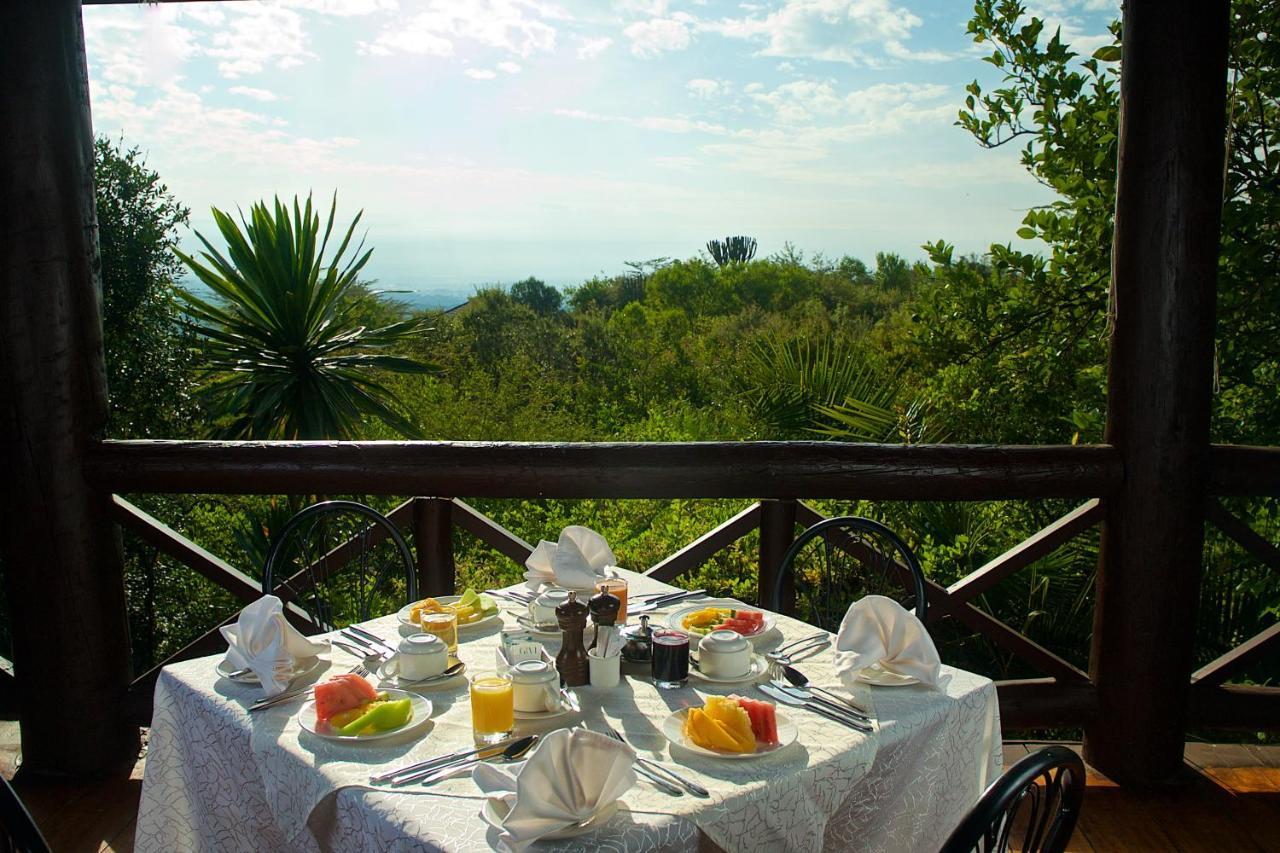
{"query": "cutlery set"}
{"type": "Point", "coordinates": [441, 767]}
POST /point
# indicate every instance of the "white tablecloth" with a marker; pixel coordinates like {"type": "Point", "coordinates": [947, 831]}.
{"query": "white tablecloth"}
{"type": "Point", "coordinates": [220, 779]}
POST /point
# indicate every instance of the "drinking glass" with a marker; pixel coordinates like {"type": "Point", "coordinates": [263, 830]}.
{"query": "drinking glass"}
{"type": "Point", "coordinates": [670, 658]}
{"type": "Point", "coordinates": [443, 625]}
{"type": "Point", "coordinates": [618, 587]}
{"type": "Point", "coordinates": [492, 708]}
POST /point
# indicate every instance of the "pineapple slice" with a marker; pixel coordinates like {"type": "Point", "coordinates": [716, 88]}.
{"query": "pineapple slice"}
{"type": "Point", "coordinates": [722, 725]}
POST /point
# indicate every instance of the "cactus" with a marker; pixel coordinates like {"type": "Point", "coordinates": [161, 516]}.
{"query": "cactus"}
{"type": "Point", "coordinates": [732, 249]}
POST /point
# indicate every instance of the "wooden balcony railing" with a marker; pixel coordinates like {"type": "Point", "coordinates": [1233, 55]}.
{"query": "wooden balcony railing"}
{"type": "Point", "coordinates": [778, 474]}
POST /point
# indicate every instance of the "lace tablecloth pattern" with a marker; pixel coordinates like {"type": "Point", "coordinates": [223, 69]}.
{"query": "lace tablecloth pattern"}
{"type": "Point", "coordinates": [220, 779]}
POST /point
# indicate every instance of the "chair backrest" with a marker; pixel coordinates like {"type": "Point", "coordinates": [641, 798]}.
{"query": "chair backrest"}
{"type": "Point", "coordinates": [18, 832]}
{"type": "Point", "coordinates": [341, 562]}
{"type": "Point", "coordinates": [839, 560]}
{"type": "Point", "coordinates": [1034, 805]}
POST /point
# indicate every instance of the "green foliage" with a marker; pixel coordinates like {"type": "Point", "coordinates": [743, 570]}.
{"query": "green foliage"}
{"type": "Point", "coordinates": [285, 350]}
{"type": "Point", "coordinates": [147, 349]}
{"type": "Point", "coordinates": [537, 295]}
{"type": "Point", "coordinates": [732, 250]}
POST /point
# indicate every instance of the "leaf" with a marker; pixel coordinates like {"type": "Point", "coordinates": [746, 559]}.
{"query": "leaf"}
{"type": "Point", "coordinates": [1107, 53]}
{"type": "Point", "coordinates": [1027, 233]}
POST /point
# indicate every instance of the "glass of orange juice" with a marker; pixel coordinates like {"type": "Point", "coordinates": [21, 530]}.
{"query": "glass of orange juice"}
{"type": "Point", "coordinates": [617, 587]}
{"type": "Point", "coordinates": [492, 708]}
{"type": "Point", "coordinates": [443, 625]}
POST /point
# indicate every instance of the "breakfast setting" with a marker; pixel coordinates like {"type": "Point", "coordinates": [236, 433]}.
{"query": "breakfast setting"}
{"type": "Point", "coordinates": [589, 705]}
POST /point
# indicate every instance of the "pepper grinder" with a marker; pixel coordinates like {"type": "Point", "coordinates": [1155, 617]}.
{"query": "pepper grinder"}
{"type": "Point", "coordinates": [571, 662]}
{"type": "Point", "coordinates": [604, 607]}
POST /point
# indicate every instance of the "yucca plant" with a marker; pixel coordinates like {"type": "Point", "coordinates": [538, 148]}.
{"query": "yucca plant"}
{"type": "Point", "coordinates": [286, 351]}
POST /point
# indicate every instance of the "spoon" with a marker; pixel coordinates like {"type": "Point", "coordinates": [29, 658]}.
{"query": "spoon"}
{"type": "Point", "coordinates": [785, 659]}
{"type": "Point", "coordinates": [453, 670]}
{"type": "Point", "coordinates": [799, 679]}
{"type": "Point", "coordinates": [513, 752]}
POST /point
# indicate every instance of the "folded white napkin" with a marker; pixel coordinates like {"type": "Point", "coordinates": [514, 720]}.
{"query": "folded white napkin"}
{"type": "Point", "coordinates": [263, 641]}
{"type": "Point", "coordinates": [880, 630]}
{"type": "Point", "coordinates": [571, 776]}
{"type": "Point", "coordinates": [577, 561]}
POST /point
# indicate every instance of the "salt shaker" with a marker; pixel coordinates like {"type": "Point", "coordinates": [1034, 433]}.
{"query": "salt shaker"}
{"type": "Point", "coordinates": [571, 662]}
{"type": "Point", "coordinates": [604, 607]}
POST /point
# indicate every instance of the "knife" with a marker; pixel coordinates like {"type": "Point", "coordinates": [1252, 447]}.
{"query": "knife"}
{"type": "Point", "coordinates": [665, 601]}
{"type": "Point", "coordinates": [813, 707]}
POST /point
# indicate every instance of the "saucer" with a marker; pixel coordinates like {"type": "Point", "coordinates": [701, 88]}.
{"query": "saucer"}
{"type": "Point", "coordinates": [495, 811]}
{"type": "Point", "coordinates": [759, 666]}
{"type": "Point", "coordinates": [308, 666]}
{"type": "Point", "coordinates": [433, 683]}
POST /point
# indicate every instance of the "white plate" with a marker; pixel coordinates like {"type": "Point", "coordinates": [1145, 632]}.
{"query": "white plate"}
{"type": "Point", "coordinates": [308, 666]}
{"type": "Point", "coordinates": [676, 619]}
{"type": "Point", "coordinates": [673, 728]}
{"type": "Point", "coordinates": [421, 713]}
{"type": "Point", "coordinates": [881, 677]}
{"type": "Point", "coordinates": [403, 613]}
{"type": "Point", "coordinates": [495, 811]}
{"type": "Point", "coordinates": [451, 681]}
{"type": "Point", "coordinates": [535, 716]}
{"type": "Point", "coordinates": [759, 666]}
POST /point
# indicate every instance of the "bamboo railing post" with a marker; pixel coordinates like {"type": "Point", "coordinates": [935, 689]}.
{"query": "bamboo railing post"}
{"type": "Point", "coordinates": [777, 532]}
{"type": "Point", "coordinates": [61, 553]}
{"type": "Point", "coordinates": [433, 545]}
{"type": "Point", "coordinates": [1164, 269]}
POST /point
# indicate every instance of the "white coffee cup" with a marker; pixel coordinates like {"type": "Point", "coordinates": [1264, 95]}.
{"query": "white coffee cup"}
{"type": "Point", "coordinates": [724, 654]}
{"type": "Point", "coordinates": [542, 610]}
{"type": "Point", "coordinates": [535, 687]}
{"type": "Point", "coordinates": [418, 657]}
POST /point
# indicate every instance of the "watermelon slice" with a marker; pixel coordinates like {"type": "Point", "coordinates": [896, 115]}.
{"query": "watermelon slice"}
{"type": "Point", "coordinates": [764, 719]}
{"type": "Point", "coordinates": [342, 693]}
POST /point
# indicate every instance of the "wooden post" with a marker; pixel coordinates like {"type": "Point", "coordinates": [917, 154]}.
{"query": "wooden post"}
{"type": "Point", "coordinates": [1168, 205]}
{"type": "Point", "coordinates": [61, 553]}
{"type": "Point", "coordinates": [433, 545]}
{"type": "Point", "coordinates": [777, 532]}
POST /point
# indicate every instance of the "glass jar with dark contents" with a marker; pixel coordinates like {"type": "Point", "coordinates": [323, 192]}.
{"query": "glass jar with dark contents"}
{"type": "Point", "coordinates": [670, 658]}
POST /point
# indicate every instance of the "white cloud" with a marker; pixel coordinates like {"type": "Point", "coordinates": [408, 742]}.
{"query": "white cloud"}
{"type": "Point", "coordinates": [664, 124]}
{"type": "Point", "coordinates": [516, 26]}
{"type": "Point", "coordinates": [590, 48]}
{"type": "Point", "coordinates": [703, 88]}
{"type": "Point", "coordinates": [848, 31]}
{"type": "Point", "coordinates": [509, 67]}
{"type": "Point", "coordinates": [262, 95]}
{"type": "Point", "coordinates": [659, 35]}
{"type": "Point", "coordinates": [480, 73]}
{"type": "Point", "coordinates": [258, 36]}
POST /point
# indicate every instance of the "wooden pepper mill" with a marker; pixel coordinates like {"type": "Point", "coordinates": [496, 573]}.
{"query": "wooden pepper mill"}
{"type": "Point", "coordinates": [604, 607]}
{"type": "Point", "coordinates": [571, 662]}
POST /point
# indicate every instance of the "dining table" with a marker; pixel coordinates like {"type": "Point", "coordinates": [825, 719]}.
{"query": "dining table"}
{"type": "Point", "coordinates": [218, 778]}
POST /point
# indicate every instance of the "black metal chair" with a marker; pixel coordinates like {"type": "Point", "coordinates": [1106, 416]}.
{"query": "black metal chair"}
{"type": "Point", "coordinates": [1038, 800]}
{"type": "Point", "coordinates": [341, 562]}
{"type": "Point", "coordinates": [18, 832]}
{"type": "Point", "coordinates": [838, 560]}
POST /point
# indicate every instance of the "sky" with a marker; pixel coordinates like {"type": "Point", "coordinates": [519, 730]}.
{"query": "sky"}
{"type": "Point", "coordinates": [490, 140]}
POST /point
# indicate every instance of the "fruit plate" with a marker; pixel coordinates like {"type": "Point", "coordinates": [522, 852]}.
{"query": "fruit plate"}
{"type": "Point", "coordinates": [759, 666]}
{"type": "Point", "coordinates": [673, 728]}
{"type": "Point", "coordinates": [881, 677]}
{"type": "Point", "coordinates": [300, 668]}
{"type": "Point", "coordinates": [403, 614]}
{"type": "Point", "coordinates": [421, 714]}
{"type": "Point", "coordinates": [677, 617]}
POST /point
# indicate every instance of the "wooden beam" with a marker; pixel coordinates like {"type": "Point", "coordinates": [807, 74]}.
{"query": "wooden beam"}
{"type": "Point", "coordinates": [1025, 553]}
{"type": "Point", "coordinates": [1037, 703]}
{"type": "Point", "coordinates": [777, 533]}
{"type": "Point", "coordinates": [811, 469]}
{"type": "Point", "coordinates": [63, 565]}
{"type": "Point", "coordinates": [1244, 535]}
{"type": "Point", "coordinates": [1236, 706]}
{"type": "Point", "coordinates": [1164, 278]}
{"type": "Point", "coordinates": [701, 549]}
{"type": "Point", "coordinates": [433, 542]}
{"type": "Point", "coordinates": [243, 586]}
{"type": "Point", "coordinates": [490, 532]}
{"type": "Point", "coordinates": [1241, 470]}
{"type": "Point", "coordinates": [1218, 671]}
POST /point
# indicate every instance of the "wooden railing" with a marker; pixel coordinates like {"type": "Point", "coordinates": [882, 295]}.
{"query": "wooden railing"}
{"type": "Point", "coordinates": [780, 472]}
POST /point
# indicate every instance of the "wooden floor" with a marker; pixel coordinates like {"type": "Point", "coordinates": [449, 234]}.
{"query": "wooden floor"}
{"type": "Point", "coordinates": [1231, 802]}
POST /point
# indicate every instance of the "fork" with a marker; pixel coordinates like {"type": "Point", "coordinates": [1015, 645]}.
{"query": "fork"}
{"type": "Point", "coordinates": [654, 779]}
{"type": "Point", "coordinates": [692, 787]}
{"type": "Point", "coordinates": [359, 669]}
